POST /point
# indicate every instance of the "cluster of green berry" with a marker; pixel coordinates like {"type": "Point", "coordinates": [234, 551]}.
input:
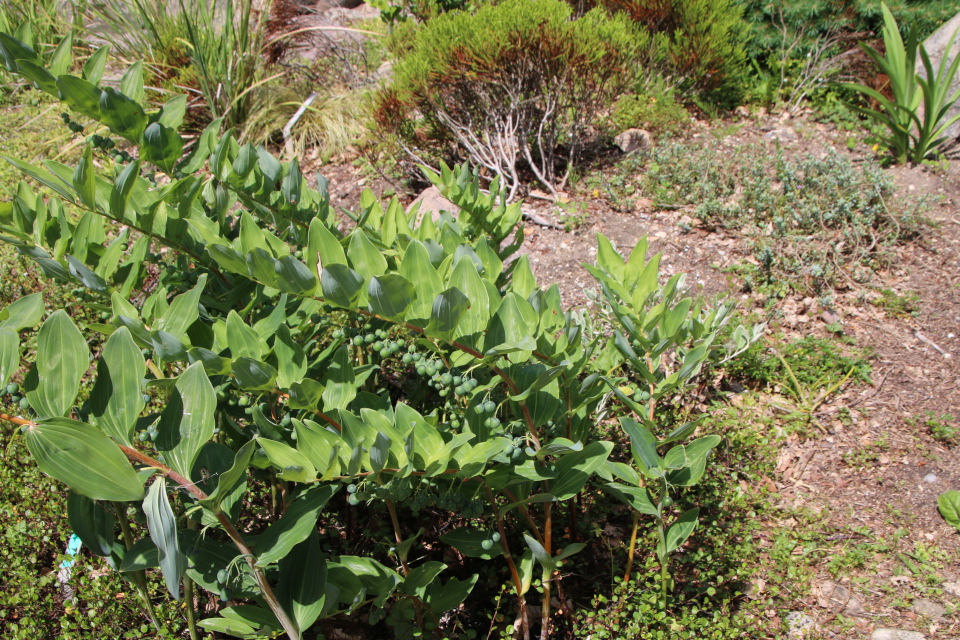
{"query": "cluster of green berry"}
{"type": "Point", "coordinates": [377, 339]}
{"type": "Point", "coordinates": [99, 142]}
{"type": "Point", "coordinates": [13, 390]}
{"type": "Point", "coordinates": [150, 433]}
{"type": "Point", "coordinates": [397, 489]}
{"type": "Point", "coordinates": [488, 407]}
{"type": "Point", "coordinates": [223, 579]}
{"type": "Point", "coordinates": [641, 396]}
{"type": "Point", "coordinates": [73, 126]}
{"type": "Point", "coordinates": [517, 453]}
{"type": "Point", "coordinates": [488, 543]}
{"type": "Point", "coordinates": [459, 502]}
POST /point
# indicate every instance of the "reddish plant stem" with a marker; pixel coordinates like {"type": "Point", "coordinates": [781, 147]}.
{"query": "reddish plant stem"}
{"type": "Point", "coordinates": [547, 545]}
{"type": "Point", "coordinates": [136, 456]}
{"type": "Point", "coordinates": [518, 583]}
{"type": "Point", "coordinates": [288, 625]}
{"type": "Point", "coordinates": [526, 515]}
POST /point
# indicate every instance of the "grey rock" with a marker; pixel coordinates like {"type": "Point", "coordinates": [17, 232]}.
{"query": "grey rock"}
{"type": "Point", "coordinates": [936, 46]}
{"type": "Point", "coordinates": [431, 201]}
{"type": "Point", "coordinates": [953, 588]}
{"type": "Point", "coordinates": [896, 634]}
{"type": "Point", "coordinates": [930, 478]}
{"type": "Point", "coordinates": [835, 597]}
{"type": "Point", "coordinates": [929, 608]}
{"type": "Point", "coordinates": [786, 133]}
{"type": "Point", "coordinates": [800, 625]}
{"type": "Point", "coordinates": [633, 140]}
{"type": "Point", "coordinates": [830, 316]}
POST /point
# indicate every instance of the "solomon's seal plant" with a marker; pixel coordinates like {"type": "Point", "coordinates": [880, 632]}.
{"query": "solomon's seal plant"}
{"type": "Point", "coordinates": [259, 375]}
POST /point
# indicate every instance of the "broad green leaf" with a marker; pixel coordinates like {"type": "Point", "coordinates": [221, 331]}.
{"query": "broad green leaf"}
{"type": "Point", "coordinates": [293, 465]}
{"type": "Point", "coordinates": [291, 361]}
{"type": "Point", "coordinates": [643, 447]}
{"type": "Point", "coordinates": [341, 387]}
{"type": "Point", "coordinates": [681, 529]}
{"type": "Point", "coordinates": [293, 276]}
{"type": "Point", "coordinates": [167, 347]}
{"type": "Point", "coordinates": [637, 497]}
{"type": "Point", "coordinates": [243, 340]}
{"type": "Point", "coordinates": [80, 95]}
{"type": "Point", "coordinates": [62, 359]}
{"type": "Point", "coordinates": [162, 146]}
{"type": "Point", "coordinates": [253, 374]}
{"type": "Point", "coordinates": [183, 311]}
{"type": "Point", "coordinates": [469, 543]}
{"type": "Point", "coordinates": [949, 505]}
{"type": "Point", "coordinates": [301, 588]}
{"type": "Point", "coordinates": [673, 319]}
{"type": "Point", "coordinates": [546, 561]}
{"type": "Point", "coordinates": [508, 327]}
{"type": "Point", "coordinates": [235, 628]}
{"type": "Point", "coordinates": [421, 577]}
{"type": "Point", "coordinates": [120, 193]}
{"type": "Point", "coordinates": [365, 258]}
{"type": "Point", "coordinates": [162, 524]}
{"type": "Point", "coordinates": [323, 248]}
{"type": "Point", "coordinates": [523, 282]}
{"type": "Point", "coordinates": [245, 161]}
{"type": "Point", "coordinates": [295, 525]}
{"type": "Point", "coordinates": [290, 187]}
{"type": "Point", "coordinates": [122, 115]}
{"type": "Point", "coordinates": [131, 84]}
{"type": "Point", "coordinates": [43, 79]}
{"type": "Point", "coordinates": [475, 319]}
{"type": "Point", "coordinates": [574, 469]}
{"type": "Point", "coordinates": [390, 295]}
{"type": "Point", "coordinates": [95, 64]}
{"type": "Point", "coordinates": [341, 285]}
{"type": "Point", "coordinates": [269, 165]}
{"type": "Point", "coordinates": [84, 459]}
{"type": "Point", "coordinates": [417, 268]}
{"type": "Point", "coordinates": [380, 452]}
{"type": "Point", "coordinates": [316, 444]}
{"type": "Point", "coordinates": [42, 176]}
{"type": "Point", "coordinates": [446, 597]}
{"type": "Point", "coordinates": [608, 259]}
{"type": "Point", "coordinates": [92, 523]}
{"type": "Point", "coordinates": [85, 179]}
{"type": "Point", "coordinates": [62, 57]}
{"type": "Point", "coordinates": [448, 309]}
{"type": "Point", "coordinates": [142, 555]}
{"type": "Point", "coordinates": [172, 112]}
{"type": "Point", "coordinates": [376, 578]}
{"type": "Point", "coordinates": [472, 460]}
{"type": "Point", "coordinates": [9, 354]}
{"type": "Point", "coordinates": [201, 150]}
{"type": "Point", "coordinates": [187, 421]}
{"type": "Point", "coordinates": [13, 49]}
{"type": "Point", "coordinates": [116, 401]}
{"type": "Point", "coordinates": [305, 394]}
{"type": "Point", "coordinates": [230, 478]}
{"type": "Point", "coordinates": [24, 313]}
{"type": "Point", "coordinates": [254, 616]}
{"type": "Point", "coordinates": [89, 278]}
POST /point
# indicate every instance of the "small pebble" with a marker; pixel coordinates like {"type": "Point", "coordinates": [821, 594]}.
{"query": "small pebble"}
{"type": "Point", "coordinates": [929, 478]}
